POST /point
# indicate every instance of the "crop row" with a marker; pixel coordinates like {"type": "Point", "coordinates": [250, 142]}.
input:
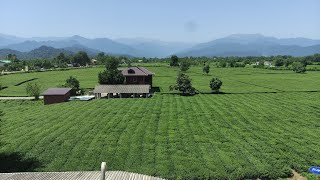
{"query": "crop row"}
{"type": "Point", "coordinates": [206, 136]}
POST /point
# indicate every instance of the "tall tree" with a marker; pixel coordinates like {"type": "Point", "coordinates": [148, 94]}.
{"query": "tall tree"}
{"type": "Point", "coordinates": [74, 84]}
{"type": "Point", "coordinates": [111, 75]}
{"type": "Point", "coordinates": [206, 69]}
{"type": "Point", "coordinates": [81, 58]}
{"type": "Point", "coordinates": [174, 60]}
{"type": "Point", "coordinates": [112, 63]}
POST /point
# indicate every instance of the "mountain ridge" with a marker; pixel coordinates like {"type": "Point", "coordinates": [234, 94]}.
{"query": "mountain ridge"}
{"type": "Point", "coordinates": [232, 45]}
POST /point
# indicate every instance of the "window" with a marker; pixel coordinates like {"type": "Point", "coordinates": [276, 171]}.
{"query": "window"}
{"type": "Point", "coordinates": [134, 79]}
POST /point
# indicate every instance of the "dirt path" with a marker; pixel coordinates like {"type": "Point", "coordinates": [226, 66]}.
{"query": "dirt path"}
{"type": "Point", "coordinates": [19, 98]}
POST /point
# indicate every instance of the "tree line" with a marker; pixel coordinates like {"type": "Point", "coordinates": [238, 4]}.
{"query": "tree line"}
{"type": "Point", "coordinates": [82, 59]}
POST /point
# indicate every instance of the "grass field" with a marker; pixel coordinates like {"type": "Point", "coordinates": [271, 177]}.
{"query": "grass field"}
{"type": "Point", "coordinates": [235, 80]}
{"type": "Point", "coordinates": [265, 126]}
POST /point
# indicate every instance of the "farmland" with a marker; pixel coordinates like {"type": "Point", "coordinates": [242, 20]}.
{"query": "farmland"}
{"type": "Point", "coordinates": [235, 80]}
{"type": "Point", "coordinates": [265, 125]}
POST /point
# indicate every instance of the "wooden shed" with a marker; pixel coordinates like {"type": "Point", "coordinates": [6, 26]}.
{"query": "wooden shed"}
{"type": "Point", "coordinates": [56, 95]}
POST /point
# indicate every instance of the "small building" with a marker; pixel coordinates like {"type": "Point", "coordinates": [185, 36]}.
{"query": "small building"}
{"type": "Point", "coordinates": [137, 75]}
{"type": "Point", "coordinates": [56, 95]}
{"type": "Point", "coordinates": [267, 63]}
{"type": "Point", "coordinates": [122, 91]}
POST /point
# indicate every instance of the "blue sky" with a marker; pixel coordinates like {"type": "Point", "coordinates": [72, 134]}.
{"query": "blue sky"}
{"type": "Point", "coordinates": [167, 20]}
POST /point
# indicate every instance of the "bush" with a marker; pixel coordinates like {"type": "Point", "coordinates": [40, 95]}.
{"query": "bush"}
{"type": "Point", "coordinates": [183, 85]}
{"type": "Point", "coordinates": [298, 67]}
{"type": "Point", "coordinates": [33, 89]}
{"type": "Point", "coordinates": [184, 66]}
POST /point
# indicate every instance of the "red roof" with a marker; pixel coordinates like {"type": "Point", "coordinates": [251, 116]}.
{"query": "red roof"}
{"type": "Point", "coordinates": [56, 91]}
{"type": "Point", "coordinates": [136, 71]}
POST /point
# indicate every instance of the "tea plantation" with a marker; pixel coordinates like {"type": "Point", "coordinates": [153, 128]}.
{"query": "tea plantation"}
{"type": "Point", "coordinates": [265, 126]}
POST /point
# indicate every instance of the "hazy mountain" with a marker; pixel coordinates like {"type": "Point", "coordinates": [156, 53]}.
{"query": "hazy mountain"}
{"type": "Point", "coordinates": [8, 39]}
{"type": "Point", "coordinates": [233, 45]}
{"type": "Point", "coordinates": [76, 48]}
{"type": "Point", "coordinates": [253, 45]}
{"type": "Point", "coordinates": [154, 48]}
{"type": "Point", "coordinates": [46, 52]}
{"type": "Point", "coordinates": [39, 53]}
{"type": "Point", "coordinates": [99, 44]}
{"type": "Point", "coordinates": [4, 53]}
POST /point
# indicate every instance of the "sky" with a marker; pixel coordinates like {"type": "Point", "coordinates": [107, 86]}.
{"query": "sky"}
{"type": "Point", "coordinates": [166, 20]}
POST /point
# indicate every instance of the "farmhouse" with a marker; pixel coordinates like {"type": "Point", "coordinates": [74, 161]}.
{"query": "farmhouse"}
{"type": "Point", "coordinates": [137, 83]}
{"type": "Point", "coordinates": [56, 95]}
{"type": "Point", "coordinates": [137, 75]}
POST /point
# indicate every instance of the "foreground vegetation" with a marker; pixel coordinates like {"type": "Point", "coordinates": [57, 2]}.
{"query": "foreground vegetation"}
{"type": "Point", "coordinates": [219, 136]}
{"type": "Point", "coordinates": [262, 125]}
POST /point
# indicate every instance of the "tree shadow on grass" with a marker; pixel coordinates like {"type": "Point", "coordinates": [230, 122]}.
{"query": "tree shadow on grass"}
{"type": "Point", "coordinates": [16, 162]}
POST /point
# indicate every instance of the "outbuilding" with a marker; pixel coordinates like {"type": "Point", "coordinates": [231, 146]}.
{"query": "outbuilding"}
{"type": "Point", "coordinates": [56, 95]}
{"type": "Point", "coordinates": [122, 91]}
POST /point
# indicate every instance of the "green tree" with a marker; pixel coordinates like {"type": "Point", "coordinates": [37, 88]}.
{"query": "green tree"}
{"type": "Point", "coordinates": [222, 64]}
{"type": "Point", "coordinates": [287, 62]}
{"type": "Point", "coordinates": [184, 65]}
{"type": "Point", "coordinates": [278, 62]}
{"type": "Point", "coordinates": [74, 84]}
{"type": "Point", "coordinates": [112, 63]}
{"type": "Point", "coordinates": [61, 57]}
{"type": "Point", "coordinates": [232, 64]}
{"type": "Point", "coordinates": [261, 64]}
{"type": "Point", "coordinates": [12, 57]}
{"type": "Point", "coordinates": [183, 84]}
{"type": "Point", "coordinates": [81, 58]}
{"type": "Point", "coordinates": [111, 75]}
{"type": "Point", "coordinates": [174, 60]}
{"type": "Point", "coordinates": [33, 89]}
{"type": "Point", "coordinates": [298, 67]}
{"type": "Point", "coordinates": [215, 84]}
{"type": "Point", "coordinates": [206, 69]}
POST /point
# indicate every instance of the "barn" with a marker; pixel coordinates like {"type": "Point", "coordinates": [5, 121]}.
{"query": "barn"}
{"type": "Point", "coordinates": [56, 95]}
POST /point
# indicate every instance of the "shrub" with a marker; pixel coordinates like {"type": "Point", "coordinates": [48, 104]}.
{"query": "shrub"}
{"type": "Point", "coordinates": [184, 66]}
{"type": "Point", "coordinates": [298, 67]}
{"type": "Point", "coordinates": [183, 85]}
{"type": "Point", "coordinates": [33, 89]}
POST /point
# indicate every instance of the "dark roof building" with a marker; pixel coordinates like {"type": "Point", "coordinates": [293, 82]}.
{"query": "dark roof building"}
{"type": "Point", "coordinates": [137, 75]}
{"type": "Point", "coordinates": [56, 95]}
{"type": "Point", "coordinates": [138, 83]}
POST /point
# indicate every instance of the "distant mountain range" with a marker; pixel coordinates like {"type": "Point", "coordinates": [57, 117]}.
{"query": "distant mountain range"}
{"type": "Point", "coordinates": [254, 45]}
{"type": "Point", "coordinates": [233, 45]}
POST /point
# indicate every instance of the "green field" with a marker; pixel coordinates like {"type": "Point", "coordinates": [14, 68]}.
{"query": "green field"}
{"type": "Point", "coordinates": [265, 126]}
{"type": "Point", "coordinates": [235, 80]}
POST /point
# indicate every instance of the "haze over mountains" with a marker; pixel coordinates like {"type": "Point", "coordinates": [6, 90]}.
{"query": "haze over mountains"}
{"type": "Point", "coordinates": [233, 45]}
